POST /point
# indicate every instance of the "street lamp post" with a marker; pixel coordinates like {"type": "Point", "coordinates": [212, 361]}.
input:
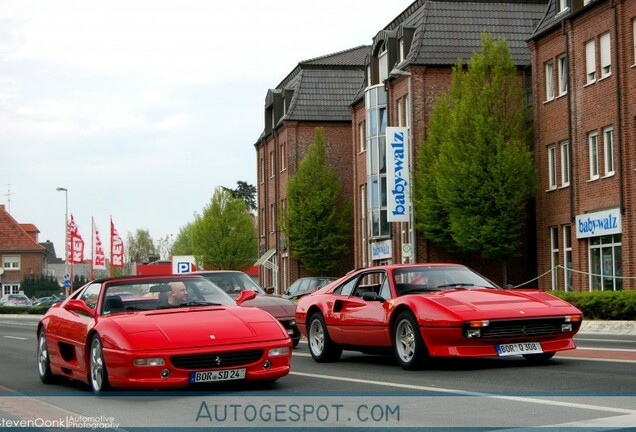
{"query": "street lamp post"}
{"type": "Point", "coordinates": [61, 189]}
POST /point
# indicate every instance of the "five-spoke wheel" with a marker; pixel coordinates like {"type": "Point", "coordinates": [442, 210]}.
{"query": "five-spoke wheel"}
{"type": "Point", "coordinates": [321, 347]}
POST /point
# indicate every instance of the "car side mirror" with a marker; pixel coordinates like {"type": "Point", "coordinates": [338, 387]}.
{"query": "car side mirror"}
{"type": "Point", "coordinates": [79, 306]}
{"type": "Point", "coordinates": [371, 296]}
{"type": "Point", "coordinates": [245, 296]}
{"type": "Point", "coordinates": [269, 290]}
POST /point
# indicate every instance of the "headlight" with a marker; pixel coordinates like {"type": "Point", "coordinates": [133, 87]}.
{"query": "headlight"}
{"type": "Point", "coordinates": [152, 361]}
{"type": "Point", "coordinates": [566, 327]}
{"type": "Point", "coordinates": [275, 352]}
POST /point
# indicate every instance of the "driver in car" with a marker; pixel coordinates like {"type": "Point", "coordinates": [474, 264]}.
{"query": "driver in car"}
{"type": "Point", "coordinates": [178, 294]}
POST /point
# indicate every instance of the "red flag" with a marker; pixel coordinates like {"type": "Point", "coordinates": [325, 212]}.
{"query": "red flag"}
{"type": "Point", "coordinates": [75, 243]}
{"type": "Point", "coordinates": [99, 256]}
{"type": "Point", "coordinates": [116, 247]}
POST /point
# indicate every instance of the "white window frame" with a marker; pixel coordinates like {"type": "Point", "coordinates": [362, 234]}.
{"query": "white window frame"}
{"type": "Point", "coordinates": [262, 173]}
{"type": "Point", "coordinates": [272, 164]}
{"type": "Point", "coordinates": [564, 5]}
{"type": "Point", "coordinates": [10, 288]}
{"type": "Point", "coordinates": [549, 80]}
{"type": "Point", "coordinates": [554, 256]}
{"type": "Point", "coordinates": [362, 137]}
{"type": "Point", "coordinates": [283, 156]}
{"type": "Point", "coordinates": [590, 62]}
{"type": "Point", "coordinates": [594, 156]}
{"type": "Point", "coordinates": [562, 74]}
{"type": "Point", "coordinates": [552, 182]}
{"type": "Point", "coordinates": [383, 62]}
{"type": "Point", "coordinates": [567, 257]}
{"type": "Point", "coordinates": [11, 262]}
{"type": "Point", "coordinates": [401, 49]}
{"type": "Point", "coordinates": [565, 163]}
{"type": "Point", "coordinates": [608, 150]}
{"type": "Point", "coordinates": [606, 55]}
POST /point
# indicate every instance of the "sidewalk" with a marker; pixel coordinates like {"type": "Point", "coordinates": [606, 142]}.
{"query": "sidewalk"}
{"type": "Point", "coordinates": [608, 327]}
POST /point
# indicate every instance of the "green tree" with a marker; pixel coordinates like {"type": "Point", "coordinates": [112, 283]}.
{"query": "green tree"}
{"type": "Point", "coordinates": [140, 247]}
{"type": "Point", "coordinates": [183, 244]}
{"type": "Point", "coordinates": [244, 191]}
{"type": "Point", "coordinates": [317, 221]}
{"type": "Point", "coordinates": [475, 170]}
{"type": "Point", "coordinates": [40, 286]}
{"type": "Point", "coordinates": [225, 235]}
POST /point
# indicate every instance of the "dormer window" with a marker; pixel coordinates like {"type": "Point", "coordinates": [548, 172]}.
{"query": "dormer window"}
{"type": "Point", "coordinates": [564, 5]}
{"type": "Point", "coordinates": [401, 50]}
{"type": "Point", "coordinates": [383, 61]}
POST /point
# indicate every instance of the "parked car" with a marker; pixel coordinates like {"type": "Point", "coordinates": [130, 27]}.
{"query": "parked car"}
{"type": "Point", "coordinates": [420, 311]}
{"type": "Point", "coordinates": [47, 301]}
{"type": "Point", "coordinates": [139, 341]}
{"type": "Point", "coordinates": [234, 282]}
{"type": "Point", "coordinates": [306, 285]}
{"type": "Point", "coordinates": [15, 300]}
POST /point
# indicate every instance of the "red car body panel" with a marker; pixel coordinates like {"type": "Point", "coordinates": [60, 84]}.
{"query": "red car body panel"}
{"type": "Point", "coordinates": [442, 316]}
{"type": "Point", "coordinates": [165, 333]}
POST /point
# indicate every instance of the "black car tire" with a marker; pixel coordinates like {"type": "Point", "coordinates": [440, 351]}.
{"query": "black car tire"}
{"type": "Point", "coordinates": [98, 374]}
{"type": "Point", "coordinates": [410, 350]}
{"type": "Point", "coordinates": [321, 347]}
{"type": "Point", "coordinates": [44, 361]}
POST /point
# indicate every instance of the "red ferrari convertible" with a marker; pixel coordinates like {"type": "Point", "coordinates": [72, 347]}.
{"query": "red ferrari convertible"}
{"type": "Point", "coordinates": [433, 310]}
{"type": "Point", "coordinates": [156, 332]}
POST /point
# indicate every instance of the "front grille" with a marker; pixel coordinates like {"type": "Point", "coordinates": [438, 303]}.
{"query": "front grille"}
{"type": "Point", "coordinates": [208, 361]}
{"type": "Point", "coordinates": [522, 328]}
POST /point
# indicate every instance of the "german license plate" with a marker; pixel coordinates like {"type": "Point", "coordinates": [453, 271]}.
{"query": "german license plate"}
{"type": "Point", "coordinates": [519, 348]}
{"type": "Point", "coordinates": [217, 375]}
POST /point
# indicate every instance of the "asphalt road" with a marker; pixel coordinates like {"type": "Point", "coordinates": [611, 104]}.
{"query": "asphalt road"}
{"type": "Point", "coordinates": [597, 389]}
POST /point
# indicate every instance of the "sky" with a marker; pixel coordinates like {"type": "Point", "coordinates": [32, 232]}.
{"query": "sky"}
{"type": "Point", "coordinates": [141, 109]}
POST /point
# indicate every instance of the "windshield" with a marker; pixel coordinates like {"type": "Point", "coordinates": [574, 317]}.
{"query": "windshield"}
{"type": "Point", "coordinates": [163, 293]}
{"type": "Point", "coordinates": [428, 278]}
{"type": "Point", "coordinates": [233, 282]}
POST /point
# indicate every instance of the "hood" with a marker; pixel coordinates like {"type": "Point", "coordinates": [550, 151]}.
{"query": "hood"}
{"type": "Point", "coordinates": [277, 306]}
{"type": "Point", "coordinates": [197, 327]}
{"type": "Point", "coordinates": [499, 303]}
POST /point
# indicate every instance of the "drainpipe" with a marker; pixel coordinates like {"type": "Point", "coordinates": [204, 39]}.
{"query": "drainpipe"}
{"type": "Point", "coordinates": [619, 116]}
{"type": "Point", "coordinates": [570, 134]}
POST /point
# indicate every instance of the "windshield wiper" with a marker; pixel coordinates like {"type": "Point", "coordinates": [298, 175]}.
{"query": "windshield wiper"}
{"type": "Point", "coordinates": [460, 285]}
{"type": "Point", "coordinates": [199, 303]}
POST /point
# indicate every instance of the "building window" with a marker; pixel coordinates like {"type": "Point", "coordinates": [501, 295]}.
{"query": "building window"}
{"type": "Point", "coordinates": [564, 5]}
{"type": "Point", "coordinates": [400, 112]}
{"type": "Point", "coordinates": [272, 164]}
{"type": "Point", "coordinates": [362, 137]}
{"type": "Point", "coordinates": [549, 81]}
{"type": "Point", "coordinates": [606, 56]}
{"type": "Point", "coordinates": [262, 170]}
{"type": "Point", "coordinates": [552, 167]}
{"type": "Point", "coordinates": [11, 262]}
{"type": "Point", "coordinates": [283, 156]}
{"type": "Point", "coordinates": [563, 75]}
{"type": "Point", "coordinates": [634, 37]}
{"type": "Point", "coordinates": [590, 61]}
{"type": "Point", "coordinates": [593, 146]}
{"type": "Point", "coordinates": [401, 49]}
{"type": "Point", "coordinates": [554, 256]}
{"type": "Point", "coordinates": [10, 288]}
{"type": "Point", "coordinates": [605, 263]}
{"type": "Point", "coordinates": [608, 151]}
{"type": "Point", "coordinates": [565, 163]}
{"type": "Point", "coordinates": [567, 257]}
{"type": "Point", "coordinates": [263, 223]}
{"type": "Point", "coordinates": [363, 225]}
{"type": "Point", "coordinates": [376, 121]}
{"type": "Point", "coordinates": [272, 217]}
{"type": "Point", "coordinates": [383, 61]}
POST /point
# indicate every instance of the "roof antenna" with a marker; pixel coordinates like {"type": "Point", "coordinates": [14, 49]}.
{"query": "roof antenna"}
{"type": "Point", "coordinates": [8, 195]}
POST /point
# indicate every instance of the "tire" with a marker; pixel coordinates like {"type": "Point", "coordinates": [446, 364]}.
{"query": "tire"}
{"type": "Point", "coordinates": [44, 361]}
{"type": "Point", "coordinates": [295, 342]}
{"type": "Point", "coordinates": [410, 350]}
{"type": "Point", "coordinates": [539, 358]}
{"type": "Point", "coordinates": [98, 374]}
{"type": "Point", "coordinates": [321, 347]}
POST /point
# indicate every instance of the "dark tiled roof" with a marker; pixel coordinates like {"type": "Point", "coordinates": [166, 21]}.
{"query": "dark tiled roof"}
{"type": "Point", "coordinates": [552, 18]}
{"type": "Point", "coordinates": [448, 30]}
{"type": "Point", "coordinates": [13, 238]}
{"type": "Point", "coordinates": [324, 86]}
{"type": "Point", "coordinates": [324, 95]}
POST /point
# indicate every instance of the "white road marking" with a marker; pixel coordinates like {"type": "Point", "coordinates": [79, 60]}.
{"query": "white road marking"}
{"type": "Point", "coordinates": [16, 337]}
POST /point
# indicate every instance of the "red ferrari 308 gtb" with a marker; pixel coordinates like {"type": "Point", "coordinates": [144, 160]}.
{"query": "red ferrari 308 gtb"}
{"type": "Point", "coordinates": [433, 310]}
{"type": "Point", "coordinates": [156, 332]}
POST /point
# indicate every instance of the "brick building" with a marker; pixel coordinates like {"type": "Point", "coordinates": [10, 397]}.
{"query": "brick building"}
{"type": "Point", "coordinates": [317, 93]}
{"type": "Point", "coordinates": [584, 82]}
{"type": "Point", "coordinates": [20, 253]}
{"type": "Point", "coordinates": [410, 63]}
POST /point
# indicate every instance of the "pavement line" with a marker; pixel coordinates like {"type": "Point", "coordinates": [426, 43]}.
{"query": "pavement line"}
{"type": "Point", "coordinates": [16, 337]}
{"type": "Point", "coordinates": [576, 339]}
{"type": "Point", "coordinates": [471, 393]}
